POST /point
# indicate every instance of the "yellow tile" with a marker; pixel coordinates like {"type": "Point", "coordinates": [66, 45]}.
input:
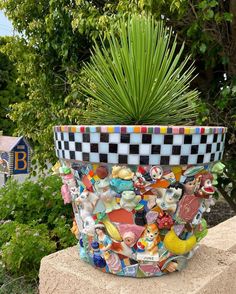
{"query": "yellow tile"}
{"type": "Point", "coordinates": [187, 131]}
{"type": "Point", "coordinates": [110, 129]}
{"type": "Point", "coordinates": [163, 130]}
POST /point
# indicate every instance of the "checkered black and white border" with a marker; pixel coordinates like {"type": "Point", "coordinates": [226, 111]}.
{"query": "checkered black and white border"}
{"type": "Point", "coordinates": [138, 148]}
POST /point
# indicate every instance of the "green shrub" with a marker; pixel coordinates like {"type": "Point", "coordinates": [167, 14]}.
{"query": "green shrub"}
{"type": "Point", "coordinates": [35, 223]}
{"type": "Point", "coordinates": [27, 246]}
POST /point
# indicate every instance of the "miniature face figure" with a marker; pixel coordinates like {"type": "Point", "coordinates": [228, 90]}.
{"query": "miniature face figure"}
{"type": "Point", "coordinates": [189, 185]}
{"type": "Point", "coordinates": [152, 232]}
{"type": "Point", "coordinates": [156, 172]}
{"type": "Point", "coordinates": [129, 239]}
{"type": "Point", "coordinates": [206, 184]}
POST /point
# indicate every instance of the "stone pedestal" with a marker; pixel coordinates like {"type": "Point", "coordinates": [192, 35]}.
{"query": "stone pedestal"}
{"type": "Point", "coordinates": [211, 270]}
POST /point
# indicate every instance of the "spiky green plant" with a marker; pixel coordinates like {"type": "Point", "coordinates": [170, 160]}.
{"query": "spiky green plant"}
{"type": "Point", "coordinates": [140, 77]}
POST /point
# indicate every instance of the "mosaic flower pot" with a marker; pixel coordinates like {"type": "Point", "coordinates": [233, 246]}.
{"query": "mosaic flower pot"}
{"type": "Point", "coordinates": [138, 193]}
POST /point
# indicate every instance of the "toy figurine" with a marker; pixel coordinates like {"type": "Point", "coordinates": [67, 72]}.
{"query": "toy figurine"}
{"type": "Point", "coordinates": [68, 183]}
{"type": "Point", "coordinates": [65, 193]}
{"type": "Point", "coordinates": [206, 188]}
{"type": "Point", "coordinates": [119, 185]}
{"type": "Point", "coordinates": [75, 230]}
{"type": "Point", "coordinates": [113, 262]}
{"type": "Point", "coordinates": [107, 195]}
{"type": "Point", "coordinates": [139, 181]}
{"type": "Point", "coordinates": [129, 200]}
{"type": "Point", "coordinates": [122, 172]}
{"type": "Point", "coordinates": [169, 197]}
{"type": "Point", "coordinates": [103, 239]}
{"type": "Point", "coordinates": [98, 260]}
{"type": "Point", "coordinates": [82, 250]}
{"type": "Point", "coordinates": [149, 241]}
{"type": "Point", "coordinates": [86, 205]}
{"type": "Point", "coordinates": [189, 185]}
{"type": "Point", "coordinates": [217, 170]}
{"type": "Point", "coordinates": [140, 215]}
{"type": "Point", "coordinates": [156, 173]}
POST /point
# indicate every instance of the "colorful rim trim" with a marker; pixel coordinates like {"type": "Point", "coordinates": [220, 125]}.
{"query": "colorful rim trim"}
{"type": "Point", "coordinates": [142, 129]}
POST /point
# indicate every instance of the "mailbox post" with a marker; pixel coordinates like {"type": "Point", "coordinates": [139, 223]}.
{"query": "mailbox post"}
{"type": "Point", "coordinates": [14, 156]}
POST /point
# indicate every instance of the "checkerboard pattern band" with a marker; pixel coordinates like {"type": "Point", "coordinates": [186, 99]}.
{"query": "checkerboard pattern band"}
{"type": "Point", "coordinates": [139, 148]}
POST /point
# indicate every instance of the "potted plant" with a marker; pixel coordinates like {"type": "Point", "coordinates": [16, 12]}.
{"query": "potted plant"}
{"type": "Point", "coordinates": [139, 185]}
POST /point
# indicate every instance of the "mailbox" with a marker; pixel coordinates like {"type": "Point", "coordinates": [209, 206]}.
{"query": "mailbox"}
{"type": "Point", "coordinates": [14, 155]}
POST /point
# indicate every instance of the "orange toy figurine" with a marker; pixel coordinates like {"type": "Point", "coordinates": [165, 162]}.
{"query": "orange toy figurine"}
{"type": "Point", "coordinates": [150, 240]}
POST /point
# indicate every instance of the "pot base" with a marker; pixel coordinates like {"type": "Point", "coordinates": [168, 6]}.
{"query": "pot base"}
{"type": "Point", "coordinates": [138, 221]}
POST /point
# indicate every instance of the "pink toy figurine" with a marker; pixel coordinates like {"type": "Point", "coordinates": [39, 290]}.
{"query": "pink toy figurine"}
{"type": "Point", "coordinates": [113, 262]}
{"type": "Point", "coordinates": [65, 194]}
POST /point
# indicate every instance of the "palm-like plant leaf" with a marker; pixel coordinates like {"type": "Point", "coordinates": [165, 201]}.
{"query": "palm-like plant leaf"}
{"type": "Point", "coordinates": [140, 78]}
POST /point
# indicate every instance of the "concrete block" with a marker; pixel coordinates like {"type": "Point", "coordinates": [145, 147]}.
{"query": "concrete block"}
{"type": "Point", "coordinates": [222, 236]}
{"type": "Point", "coordinates": [212, 270]}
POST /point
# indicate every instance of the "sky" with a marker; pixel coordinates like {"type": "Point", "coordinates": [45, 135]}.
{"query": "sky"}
{"type": "Point", "coordinates": [6, 28]}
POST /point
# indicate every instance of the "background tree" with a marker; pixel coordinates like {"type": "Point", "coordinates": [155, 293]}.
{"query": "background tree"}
{"type": "Point", "coordinates": [10, 91]}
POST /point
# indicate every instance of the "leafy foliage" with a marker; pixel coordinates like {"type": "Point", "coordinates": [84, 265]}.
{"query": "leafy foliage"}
{"type": "Point", "coordinates": [27, 246]}
{"type": "Point", "coordinates": [10, 92]}
{"type": "Point", "coordinates": [34, 223]}
{"type": "Point", "coordinates": [140, 78]}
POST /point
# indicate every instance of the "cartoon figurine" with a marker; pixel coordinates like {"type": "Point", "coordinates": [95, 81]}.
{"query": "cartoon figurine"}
{"type": "Point", "coordinates": [75, 230]}
{"type": "Point", "coordinates": [103, 239]}
{"type": "Point", "coordinates": [129, 200]}
{"type": "Point", "coordinates": [216, 171]}
{"type": "Point", "coordinates": [107, 195]}
{"type": "Point", "coordinates": [65, 193]}
{"type": "Point", "coordinates": [206, 188]}
{"type": "Point", "coordinates": [189, 185]}
{"type": "Point", "coordinates": [139, 181]}
{"type": "Point", "coordinates": [98, 260]}
{"type": "Point", "coordinates": [122, 172]}
{"type": "Point", "coordinates": [86, 202]}
{"type": "Point", "coordinates": [149, 241]}
{"type": "Point", "coordinates": [156, 173]}
{"type": "Point", "coordinates": [169, 197]}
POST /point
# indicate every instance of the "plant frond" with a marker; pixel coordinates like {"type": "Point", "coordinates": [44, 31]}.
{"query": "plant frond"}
{"type": "Point", "coordinates": [140, 78]}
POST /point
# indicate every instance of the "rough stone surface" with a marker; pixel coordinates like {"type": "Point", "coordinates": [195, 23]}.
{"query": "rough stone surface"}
{"type": "Point", "coordinates": [222, 236]}
{"type": "Point", "coordinates": [212, 270]}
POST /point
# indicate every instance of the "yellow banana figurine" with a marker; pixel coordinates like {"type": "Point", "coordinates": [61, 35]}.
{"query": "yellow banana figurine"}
{"type": "Point", "coordinates": [112, 230]}
{"type": "Point", "coordinates": [177, 246]}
